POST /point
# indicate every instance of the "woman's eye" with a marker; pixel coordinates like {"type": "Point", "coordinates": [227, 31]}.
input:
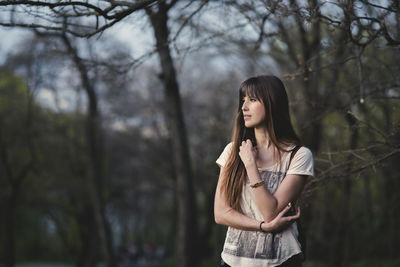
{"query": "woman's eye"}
{"type": "Point", "coordinates": [250, 99]}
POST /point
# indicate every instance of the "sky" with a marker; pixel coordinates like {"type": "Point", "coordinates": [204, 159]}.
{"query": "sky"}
{"type": "Point", "coordinates": [9, 38]}
{"type": "Point", "coordinates": [138, 39]}
{"type": "Point", "coordinates": [134, 32]}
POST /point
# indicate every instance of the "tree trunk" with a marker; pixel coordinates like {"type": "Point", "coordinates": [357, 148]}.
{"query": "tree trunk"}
{"type": "Point", "coordinates": [187, 227]}
{"type": "Point", "coordinates": [15, 180]}
{"type": "Point", "coordinates": [391, 185]}
{"type": "Point", "coordinates": [89, 238]}
{"type": "Point", "coordinates": [341, 242]}
{"type": "Point", "coordinates": [9, 248]}
{"type": "Point", "coordinates": [96, 154]}
{"type": "Point", "coordinates": [309, 49]}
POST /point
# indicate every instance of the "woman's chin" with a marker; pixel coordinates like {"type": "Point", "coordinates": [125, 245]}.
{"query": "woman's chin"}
{"type": "Point", "coordinates": [254, 125]}
{"type": "Point", "coordinates": [249, 125]}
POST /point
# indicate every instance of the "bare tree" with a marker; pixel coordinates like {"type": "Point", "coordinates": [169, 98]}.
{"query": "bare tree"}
{"type": "Point", "coordinates": [187, 223]}
{"type": "Point", "coordinates": [83, 19]}
{"type": "Point", "coordinates": [50, 15]}
{"type": "Point", "coordinates": [13, 146]}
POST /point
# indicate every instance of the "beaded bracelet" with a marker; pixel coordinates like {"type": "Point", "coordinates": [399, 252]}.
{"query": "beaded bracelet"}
{"type": "Point", "coordinates": [261, 227]}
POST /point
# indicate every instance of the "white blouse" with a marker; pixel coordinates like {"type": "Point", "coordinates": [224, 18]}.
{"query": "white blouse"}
{"type": "Point", "coordinates": [255, 248]}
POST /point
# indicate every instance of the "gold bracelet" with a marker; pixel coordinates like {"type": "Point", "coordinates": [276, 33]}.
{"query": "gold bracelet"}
{"type": "Point", "coordinates": [257, 184]}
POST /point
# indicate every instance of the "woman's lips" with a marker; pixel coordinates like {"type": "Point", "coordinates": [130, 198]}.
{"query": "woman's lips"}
{"type": "Point", "coordinates": [246, 117]}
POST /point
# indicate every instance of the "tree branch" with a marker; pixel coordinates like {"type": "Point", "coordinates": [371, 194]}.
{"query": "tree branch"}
{"type": "Point", "coordinates": [93, 11]}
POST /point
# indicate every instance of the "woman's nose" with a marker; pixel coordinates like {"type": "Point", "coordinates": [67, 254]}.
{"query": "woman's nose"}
{"type": "Point", "coordinates": [244, 106]}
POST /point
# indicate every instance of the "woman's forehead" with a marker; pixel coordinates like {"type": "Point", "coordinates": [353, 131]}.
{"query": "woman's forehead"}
{"type": "Point", "coordinates": [248, 93]}
{"type": "Point", "coordinates": [250, 90]}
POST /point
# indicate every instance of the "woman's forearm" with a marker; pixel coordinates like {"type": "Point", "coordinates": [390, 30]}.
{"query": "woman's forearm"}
{"type": "Point", "coordinates": [224, 214]}
{"type": "Point", "coordinates": [270, 205]}
{"type": "Point", "coordinates": [235, 219]}
{"type": "Point", "coordinates": [265, 201]}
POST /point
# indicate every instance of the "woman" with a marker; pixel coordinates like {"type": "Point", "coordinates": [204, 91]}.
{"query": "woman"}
{"type": "Point", "coordinates": [263, 170]}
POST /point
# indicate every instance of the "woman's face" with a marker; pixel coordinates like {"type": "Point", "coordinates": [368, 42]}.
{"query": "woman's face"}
{"type": "Point", "coordinates": [253, 112]}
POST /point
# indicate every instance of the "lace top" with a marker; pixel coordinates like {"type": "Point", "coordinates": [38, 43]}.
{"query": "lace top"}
{"type": "Point", "coordinates": [255, 248]}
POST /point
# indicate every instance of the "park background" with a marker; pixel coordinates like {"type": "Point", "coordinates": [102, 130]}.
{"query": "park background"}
{"type": "Point", "coordinates": [112, 114]}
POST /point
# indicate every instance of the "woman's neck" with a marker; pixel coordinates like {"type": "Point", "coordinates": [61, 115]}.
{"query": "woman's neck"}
{"type": "Point", "coordinates": [262, 137]}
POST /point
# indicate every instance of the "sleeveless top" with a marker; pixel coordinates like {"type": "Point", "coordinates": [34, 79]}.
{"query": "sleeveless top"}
{"type": "Point", "coordinates": [255, 248]}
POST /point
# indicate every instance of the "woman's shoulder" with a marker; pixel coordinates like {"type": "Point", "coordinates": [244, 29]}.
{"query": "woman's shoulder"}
{"type": "Point", "coordinates": [297, 152]}
{"type": "Point", "coordinates": [225, 154]}
{"type": "Point", "coordinates": [297, 149]}
{"type": "Point", "coordinates": [229, 146]}
{"type": "Point", "coordinates": [302, 162]}
{"type": "Point", "coordinates": [304, 151]}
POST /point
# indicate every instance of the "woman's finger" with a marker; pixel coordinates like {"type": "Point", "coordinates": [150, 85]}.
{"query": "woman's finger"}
{"type": "Point", "coordinates": [294, 217]}
{"type": "Point", "coordinates": [285, 209]}
{"type": "Point", "coordinates": [298, 211]}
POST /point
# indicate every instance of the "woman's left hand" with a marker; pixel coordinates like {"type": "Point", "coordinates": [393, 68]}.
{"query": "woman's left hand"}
{"type": "Point", "coordinates": [281, 222]}
{"type": "Point", "coordinates": [248, 153]}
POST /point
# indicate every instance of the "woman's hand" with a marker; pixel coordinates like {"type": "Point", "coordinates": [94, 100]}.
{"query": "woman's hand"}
{"type": "Point", "coordinates": [248, 153]}
{"type": "Point", "coordinates": [281, 222]}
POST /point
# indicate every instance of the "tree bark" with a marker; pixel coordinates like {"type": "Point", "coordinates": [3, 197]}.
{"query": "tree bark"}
{"type": "Point", "coordinates": [9, 248]}
{"type": "Point", "coordinates": [96, 154]}
{"type": "Point", "coordinates": [15, 178]}
{"type": "Point", "coordinates": [187, 227]}
{"type": "Point", "coordinates": [309, 48]}
{"type": "Point", "coordinates": [391, 186]}
{"type": "Point", "coordinates": [341, 242]}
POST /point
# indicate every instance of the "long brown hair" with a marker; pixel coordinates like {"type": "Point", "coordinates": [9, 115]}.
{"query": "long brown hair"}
{"type": "Point", "coordinates": [270, 91]}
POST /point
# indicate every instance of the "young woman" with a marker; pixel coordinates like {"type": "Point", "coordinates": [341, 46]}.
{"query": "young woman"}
{"type": "Point", "coordinates": [263, 171]}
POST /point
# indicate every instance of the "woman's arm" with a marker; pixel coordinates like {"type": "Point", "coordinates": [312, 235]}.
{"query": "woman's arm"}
{"type": "Point", "coordinates": [226, 215]}
{"type": "Point", "coordinates": [270, 205]}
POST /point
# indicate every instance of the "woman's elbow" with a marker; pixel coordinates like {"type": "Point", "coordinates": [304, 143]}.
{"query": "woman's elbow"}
{"type": "Point", "coordinates": [270, 215]}
{"type": "Point", "coordinates": [218, 218]}
{"type": "Point", "coordinates": [268, 218]}
{"type": "Point", "coordinates": [221, 215]}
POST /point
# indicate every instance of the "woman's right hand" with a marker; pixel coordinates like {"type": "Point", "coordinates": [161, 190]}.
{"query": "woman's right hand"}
{"type": "Point", "coordinates": [281, 222]}
{"type": "Point", "coordinates": [248, 153]}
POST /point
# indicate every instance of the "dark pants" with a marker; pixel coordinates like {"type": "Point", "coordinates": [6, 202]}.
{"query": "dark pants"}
{"type": "Point", "coordinates": [294, 261]}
